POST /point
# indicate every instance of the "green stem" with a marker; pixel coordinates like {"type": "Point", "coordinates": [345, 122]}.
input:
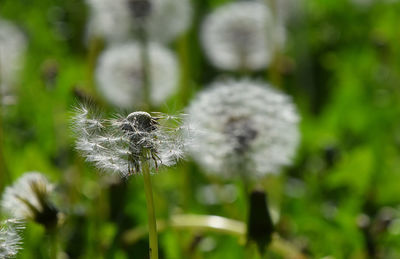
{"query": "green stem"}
{"type": "Point", "coordinates": [4, 174]}
{"type": "Point", "coordinates": [185, 84]}
{"type": "Point", "coordinates": [150, 211]}
{"type": "Point", "coordinates": [96, 45]}
{"type": "Point", "coordinates": [251, 251]}
{"type": "Point", "coordinates": [273, 74]}
{"type": "Point", "coordinates": [52, 237]}
{"type": "Point", "coordinates": [145, 60]}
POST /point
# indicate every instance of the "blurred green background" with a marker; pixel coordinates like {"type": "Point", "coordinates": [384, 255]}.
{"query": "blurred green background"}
{"type": "Point", "coordinates": [340, 198]}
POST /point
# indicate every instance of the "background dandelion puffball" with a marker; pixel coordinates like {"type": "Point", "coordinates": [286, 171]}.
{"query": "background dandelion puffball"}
{"type": "Point", "coordinates": [10, 240]}
{"type": "Point", "coordinates": [243, 127]}
{"type": "Point", "coordinates": [241, 35]}
{"type": "Point", "coordinates": [12, 47]}
{"type": "Point", "coordinates": [120, 75]}
{"type": "Point", "coordinates": [26, 189]}
{"type": "Point", "coordinates": [113, 19]}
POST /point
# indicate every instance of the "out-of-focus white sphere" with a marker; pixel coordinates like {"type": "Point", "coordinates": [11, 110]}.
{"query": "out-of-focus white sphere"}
{"type": "Point", "coordinates": [243, 127]}
{"type": "Point", "coordinates": [242, 35]}
{"type": "Point", "coordinates": [114, 20]}
{"type": "Point", "coordinates": [120, 75]}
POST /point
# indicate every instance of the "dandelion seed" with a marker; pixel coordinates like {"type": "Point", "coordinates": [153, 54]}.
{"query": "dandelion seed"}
{"type": "Point", "coordinates": [121, 145]}
{"type": "Point", "coordinates": [245, 127]}
{"type": "Point", "coordinates": [10, 240]}
{"type": "Point", "coordinates": [28, 199]}
{"type": "Point", "coordinates": [116, 21]}
{"type": "Point", "coordinates": [12, 47]}
{"type": "Point", "coordinates": [120, 75]}
{"type": "Point", "coordinates": [241, 35]}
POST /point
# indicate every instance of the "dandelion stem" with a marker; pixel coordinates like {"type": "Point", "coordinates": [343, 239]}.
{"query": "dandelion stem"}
{"type": "Point", "coordinates": [96, 45]}
{"type": "Point", "coordinates": [273, 74]}
{"type": "Point", "coordinates": [150, 211]}
{"type": "Point", "coordinates": [144, 56]}
{"type": "Point", "coordinates": [4, 176]}
{"type": "Point", "coordinates": [185, 74]}
{"type": "Point", "coordinates": [52, 238]}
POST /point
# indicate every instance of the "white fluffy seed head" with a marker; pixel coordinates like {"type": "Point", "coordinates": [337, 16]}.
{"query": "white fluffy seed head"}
{"type": "Point", "coordinates": [28, 199]}
{"type": "Point", "coordinates": [122, 144]}
{"type": "Point", "coordinates": [12, 47]}
{"type": "Point", "coordinates": [245, 127]}
{"type": "Point", "coordinates": [10, 239]}
{"type": "Point", "coordinates": [115, 21]}
{"type": "Point", "coordinates": [241, 35]}
{"type": "Point", "coordinates": [120, 75]}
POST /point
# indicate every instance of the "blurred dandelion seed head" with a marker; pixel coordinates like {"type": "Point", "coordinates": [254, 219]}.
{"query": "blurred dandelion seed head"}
{"type": "Point", "coordinates": [241, 35]}
{"type": "Point", "coordinates": [10, 239]}
{"type": "Point", "coordinates": [120, 75]}
{"type": "Point", "coordinates": [117, 20]}
{"type": "Point", "coordinates": [29, 199]}
{"type": "Point", "coordinates": [109, 19]}
{"type": "Point", "coordinates": [243, 127]}
{"type": "Point", "coordinates": [122, 144]}
{"type": "Point", "coordinates": [12, 47]}
{"type": "Point", "coordinates": [170, 18]}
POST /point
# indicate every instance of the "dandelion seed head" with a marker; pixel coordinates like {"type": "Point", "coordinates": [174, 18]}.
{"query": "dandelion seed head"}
{"type": "Point", "coordinates": [109, 20]}
{"type": "Point", "coordinates": [243, 127]}
{"type": "Point", "coordinates": [12, 47]}
{"type": "Point", "coordinates": [117, 20]}
{"type": "Point", "coordinates": [28, 199]}
{"type": "Point", "coordinates": [10, 239]}
{"type": "Point", "coordinates": [120, 75]}
{"type": "Point", "coordinates": [241, 35]}
{"type": "Point", "coordinates": [124, 143]}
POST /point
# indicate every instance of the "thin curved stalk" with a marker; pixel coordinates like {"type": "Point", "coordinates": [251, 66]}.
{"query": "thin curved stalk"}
{"type": "Point", "coordinates": [216, 224]}
{"type": "Point", "coordinates": [209, 223]}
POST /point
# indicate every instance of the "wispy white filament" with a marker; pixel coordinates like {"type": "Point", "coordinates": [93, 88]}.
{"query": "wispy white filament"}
{"type": "Point", "coordinates": [120, 75]}
{"type": "Point", "coordinates": [241, 35]}
{"type": "Point", "coordinates": [113, 19]}
{"type": "Point", "coordinates": [245, 127]}
{"type": "Point", "coordinates": [10, 240]}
